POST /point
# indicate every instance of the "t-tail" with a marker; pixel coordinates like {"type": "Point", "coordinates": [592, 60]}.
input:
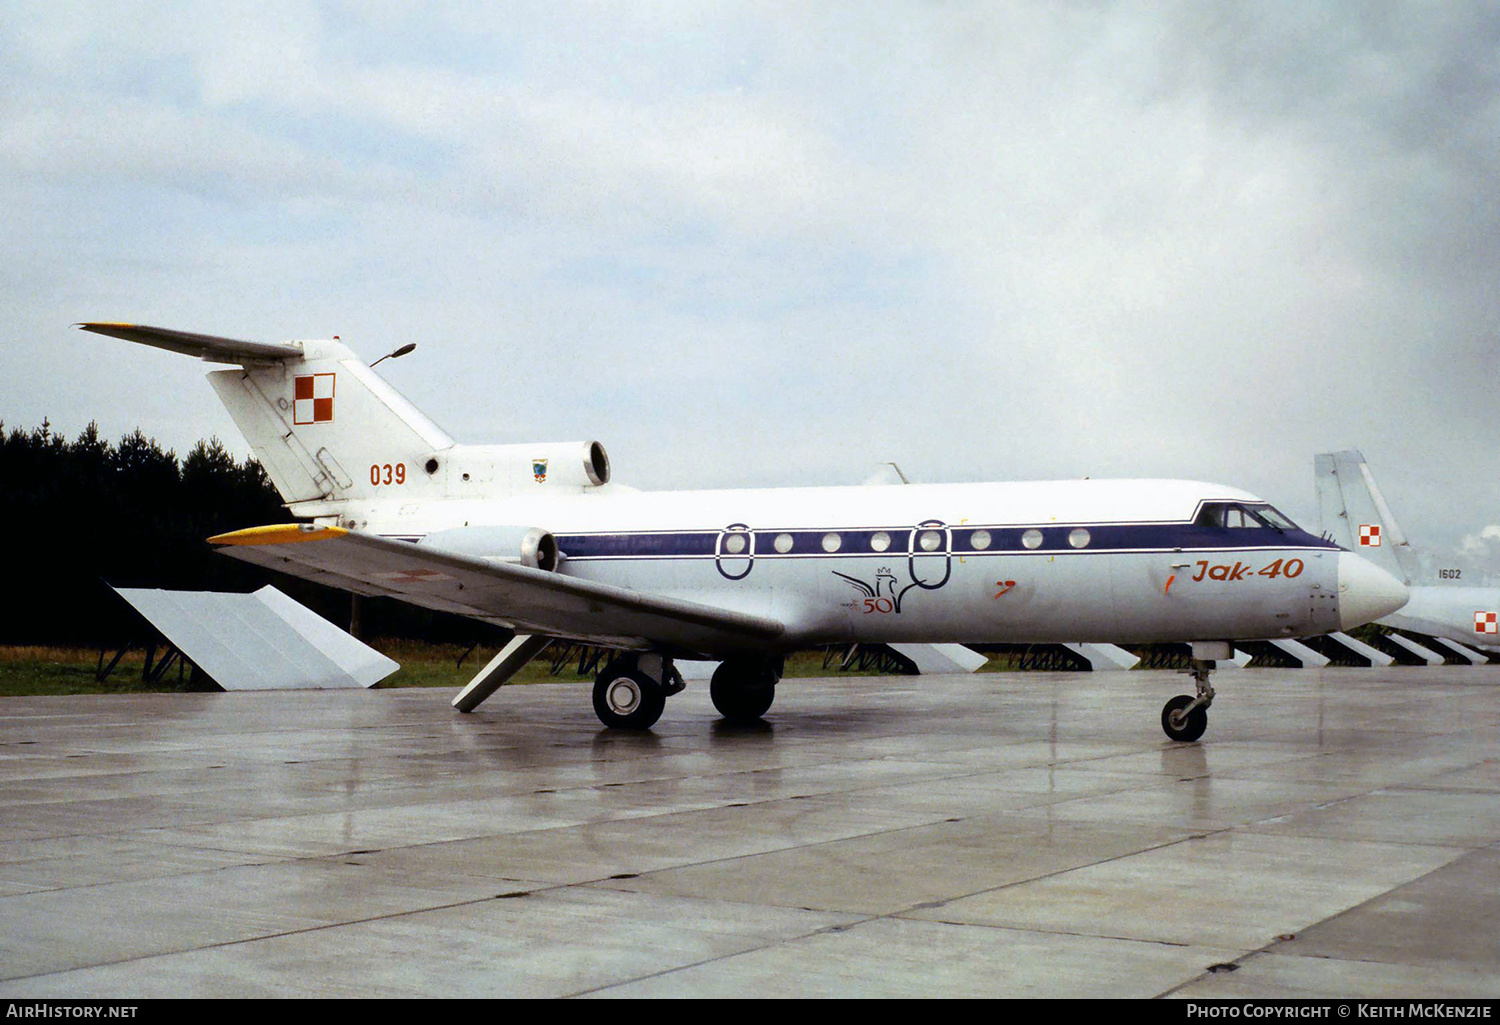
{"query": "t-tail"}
{"type": "Point", "coordinates": [339, 443]}
{"type": "Point", "coordinates": [1355, 515]}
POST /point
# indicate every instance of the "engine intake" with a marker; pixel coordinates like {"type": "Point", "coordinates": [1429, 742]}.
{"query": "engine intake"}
{"type": "Point", "coordinates": [468, 471]}
{"type": "Point", "coordinates": [526, 546]}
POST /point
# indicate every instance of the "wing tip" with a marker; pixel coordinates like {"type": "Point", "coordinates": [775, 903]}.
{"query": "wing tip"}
{"type": "Point", "coordinates": [278, 534]}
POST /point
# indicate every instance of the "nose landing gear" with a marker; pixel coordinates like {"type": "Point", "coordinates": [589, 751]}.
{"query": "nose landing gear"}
{"type": "Point", "coordinates": [1184, 718]}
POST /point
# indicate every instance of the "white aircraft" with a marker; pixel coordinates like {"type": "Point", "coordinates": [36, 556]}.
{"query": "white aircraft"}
{"type": "Point", "coordinates": [536, 538]}
{"type": "Point", "coordinates": [1354, 513]}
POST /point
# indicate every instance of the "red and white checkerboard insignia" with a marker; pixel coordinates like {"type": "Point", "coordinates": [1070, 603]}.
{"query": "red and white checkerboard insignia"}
{"type": "Point", "coordinates": [312, 402]}
{"type": "Point", "coordinates": [1369, 535]}
{"type": "Point", "coordinates": [1485, 623]}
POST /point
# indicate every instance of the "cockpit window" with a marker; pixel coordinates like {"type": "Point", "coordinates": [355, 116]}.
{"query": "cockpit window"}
{"type": "Point", "coordinates": [1236, 516]}
{"type": "Point", "coordinates": [1211, 515]}
{"type": "Point", "coordinates": [1274, 517]}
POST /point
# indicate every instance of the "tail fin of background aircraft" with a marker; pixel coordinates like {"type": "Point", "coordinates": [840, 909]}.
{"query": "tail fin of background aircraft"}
{"type": "Point", "coordinates": [1352, 510]}
{"type": "Point", "coordinates": [332, 433]}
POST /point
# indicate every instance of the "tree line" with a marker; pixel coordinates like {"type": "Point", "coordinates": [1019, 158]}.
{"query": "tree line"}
{"type": "Point", "coordinates": [78, 515]}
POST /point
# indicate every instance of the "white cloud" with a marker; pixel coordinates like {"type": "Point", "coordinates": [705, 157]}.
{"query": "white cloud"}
{"type": "Point", "coordinates": [761, 243]}
{"type": "Point", "coordinates": [1484, 543]}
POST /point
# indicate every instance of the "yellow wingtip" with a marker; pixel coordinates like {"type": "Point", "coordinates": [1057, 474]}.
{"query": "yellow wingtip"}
{"type": "Point", "coordinates": [278, 534]}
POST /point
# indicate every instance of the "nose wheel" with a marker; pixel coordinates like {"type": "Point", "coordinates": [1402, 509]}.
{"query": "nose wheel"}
{"type": "Point", "coordinates": [1185, 717]}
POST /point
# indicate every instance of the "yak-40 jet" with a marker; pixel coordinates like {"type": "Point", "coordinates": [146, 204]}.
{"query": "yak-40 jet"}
{"type": "Point", "coordinates": [537, 539]}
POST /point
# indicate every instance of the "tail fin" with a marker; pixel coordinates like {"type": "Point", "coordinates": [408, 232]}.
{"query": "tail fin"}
{"type": "Point", "coordinates": [1354, 513]}
{"type": "Point", "coordinates": [326, 427]}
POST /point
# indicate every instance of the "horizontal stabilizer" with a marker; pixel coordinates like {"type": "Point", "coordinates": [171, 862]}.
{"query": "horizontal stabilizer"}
{"type": "Point", "coordinates": [527, 600]}
{"type": "Point", "coordinates": [260, 641]}
{"type": "Point", "coordinates": [208, 347]}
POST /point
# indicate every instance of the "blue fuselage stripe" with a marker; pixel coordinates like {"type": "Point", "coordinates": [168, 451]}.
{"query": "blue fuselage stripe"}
{"type": "Point", "coordinates": [901, 541]}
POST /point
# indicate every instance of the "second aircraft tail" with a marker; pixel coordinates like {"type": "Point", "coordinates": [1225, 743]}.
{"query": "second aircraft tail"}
{"type": "Point", "coordinates": [1355, 514]}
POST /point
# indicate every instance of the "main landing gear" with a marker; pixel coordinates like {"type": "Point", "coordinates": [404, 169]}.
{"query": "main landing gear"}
{"type": "Point", "coordinates": [631, 691]}
{"type": "Point", "coordinates": [1185, 717]}
{"type": "Point", "coordinates": [742, 689]}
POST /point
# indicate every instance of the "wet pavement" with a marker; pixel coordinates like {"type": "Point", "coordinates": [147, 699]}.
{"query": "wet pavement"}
{"type": "Point", "coordinates": [1336, 833]}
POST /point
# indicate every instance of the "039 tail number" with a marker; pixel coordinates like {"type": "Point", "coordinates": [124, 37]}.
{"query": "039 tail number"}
{"type": "Point", "coordinates": [385, 473]}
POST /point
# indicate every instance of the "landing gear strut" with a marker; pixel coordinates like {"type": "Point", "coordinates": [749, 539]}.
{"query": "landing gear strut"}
{"type": "Point", "coordinates": [1185, 718]}
{"type": "Point", "coordinates": [742, 689]}
{"type": "Point", "coordinates": [631, 691]}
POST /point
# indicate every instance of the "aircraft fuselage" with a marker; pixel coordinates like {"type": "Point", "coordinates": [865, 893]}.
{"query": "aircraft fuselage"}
{"type": "Point", "coordinates": [1119, 561]}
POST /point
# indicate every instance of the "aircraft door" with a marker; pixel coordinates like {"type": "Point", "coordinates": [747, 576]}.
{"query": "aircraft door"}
{"type": "Point", "coordinates": [930, 554]}
{"type": "Point", "coordinates": [734, 551]}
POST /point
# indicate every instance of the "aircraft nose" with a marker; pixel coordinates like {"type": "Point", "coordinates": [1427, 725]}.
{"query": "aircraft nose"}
{"type": "Point", "coordinates": [1366, 592]}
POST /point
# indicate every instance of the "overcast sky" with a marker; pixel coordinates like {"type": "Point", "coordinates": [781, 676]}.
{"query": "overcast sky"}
{"type": "Point", "coordinates": [766, 243]}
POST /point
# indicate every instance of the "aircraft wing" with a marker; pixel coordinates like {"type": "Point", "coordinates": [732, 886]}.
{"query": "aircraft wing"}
{"type": "Point", "coordinates": [208, 347]}
{"type": "Point", "coordinates": [527, 600]}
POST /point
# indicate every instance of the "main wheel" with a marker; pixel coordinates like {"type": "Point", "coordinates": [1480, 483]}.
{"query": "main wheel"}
{"type": "Point", "coordinates": [1181, 727]}
{"type": "Point", "coordinates": [628, 699]}
{"type": "Point", "coordinates": [743, 690]}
